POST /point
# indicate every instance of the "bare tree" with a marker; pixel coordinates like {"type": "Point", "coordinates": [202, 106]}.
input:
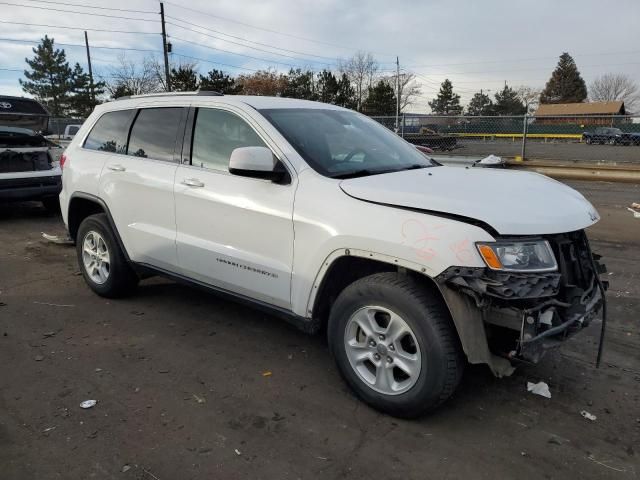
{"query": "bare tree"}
{"type": "Point", "coordinates": [360, 69]}
{"type": "Point", "coordinates": [615, 86]}
{"type": "Point", "coordinates": [409, 89]}
{"type": "Point", "coordinates": [530, 96]}
{"type": "Point", "coordinates": [133, 78]}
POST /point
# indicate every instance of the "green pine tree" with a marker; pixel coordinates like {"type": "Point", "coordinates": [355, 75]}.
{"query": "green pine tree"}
{"type": "Point", "coordinates": [447, 102]}
{"type": "Point", "coordinates": [508, 102]}
{"type": "Point", "coordinates": [184, 79]}
{"type": "Point", "coordinates": [300, 85]}
{"type": "Point", "coordinates": [381, 100]}
{"type": "Point", "coordinates": [50, 78]}
{"type": "Point", "coordinates": [218, 81]}
{"type": "Point", "coordinates": [83, 99]}
{"type": "Point", "coordinates": [327, 87]}
{"type": "Point", "coordinates": [566, 85]}
{"type": "Point", "coordinates": [346, 95]}
{"type": "Point", "coordinates": [480, 104]}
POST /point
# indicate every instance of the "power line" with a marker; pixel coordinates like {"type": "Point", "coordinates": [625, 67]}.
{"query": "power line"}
{"type": "Point", "coordinates": [320, 42]}
{"type": "Point", "coordinates": [62, 27]}
{"type": "Point", "coordinates": [228, 51]}
{"type": "Point", "coordinates": [79, 45]}
{"type": "Point", "coordinates": [76, 12]}
{"type": "Point", "coordinates": [92, 6]}
{"type": "Point", "coordinates": [248, 41]}
{"type": "Point", "coordinates": [215, 63]}
{"type": "Point", "coordinates": [246, 46]}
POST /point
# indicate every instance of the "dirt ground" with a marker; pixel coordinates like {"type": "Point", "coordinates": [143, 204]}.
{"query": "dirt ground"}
{"type": "Point", "coordinates": [180, 377]}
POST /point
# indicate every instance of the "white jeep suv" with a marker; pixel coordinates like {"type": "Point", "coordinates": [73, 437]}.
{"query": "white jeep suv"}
{"type": "Point", "coordinates": [326, 218]}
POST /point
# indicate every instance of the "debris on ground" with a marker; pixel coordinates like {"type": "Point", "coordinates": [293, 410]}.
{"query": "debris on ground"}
{"type": "Point", "coordinates": [588, 416]}
{"type": "Point", "coordinates": [266, 374]}
{"type": "Point", "coordinates": [490, 161]}
{"type": "Point", "coordinates": [53, 304]}
{"type": "Point", "coordinates": [238, 452]}
{"type": "Point", "coordinates": [590, 457]}
{"type": "Point", "coordinates": [540, 388]}
{"type": "Point", "coordinates": [48, 429]}
{"type": "Point", "coordinates": [38, 358]}
{"type": "Point", "coordinates": [125, 468]}
{"type": "Point", "coordinates": [635, 209]}
{"type": "Point", "coordinates": [57, 239]}
{"type": "Point", "coordinates": [88, 404]}
{"type": "Point", "coordinates": [199, 399]}
{"type": "Point", "coordinates": [48, 334]}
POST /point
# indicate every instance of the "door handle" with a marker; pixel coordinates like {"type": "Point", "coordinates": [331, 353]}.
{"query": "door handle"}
{"type": "Point", "coordinates": [116, 168]}
{"type": "Point", "coordinates": [192, 182]}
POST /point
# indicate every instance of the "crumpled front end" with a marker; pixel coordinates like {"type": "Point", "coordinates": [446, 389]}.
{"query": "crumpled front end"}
{"type": "Point", "coordinates": [527, 313]}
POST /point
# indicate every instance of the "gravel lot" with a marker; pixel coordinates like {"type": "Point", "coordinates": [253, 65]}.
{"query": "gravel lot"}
{"type": "Point", "coordinates": [184, 391]}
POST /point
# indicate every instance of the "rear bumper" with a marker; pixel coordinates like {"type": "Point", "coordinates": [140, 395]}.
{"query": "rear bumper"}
{"type": "Point", "coordinates": [30, 188]}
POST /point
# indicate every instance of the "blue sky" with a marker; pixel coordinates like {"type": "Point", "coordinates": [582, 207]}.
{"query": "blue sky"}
{"type": "Point", "coordinates": [478, 45]}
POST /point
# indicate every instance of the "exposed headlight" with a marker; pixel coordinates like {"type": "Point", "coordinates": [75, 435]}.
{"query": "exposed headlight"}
{"type": "Point", "coordinates": [521, 256]}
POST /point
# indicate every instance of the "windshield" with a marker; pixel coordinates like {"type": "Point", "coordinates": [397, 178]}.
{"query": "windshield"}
{"type": "Point", "coordinates": [341, 144]}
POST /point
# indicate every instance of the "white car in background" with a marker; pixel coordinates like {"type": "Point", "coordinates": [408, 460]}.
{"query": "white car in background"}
{"type": "Point", "coordinates": [28, 167]}
{"type": "Point", "coordinates": [322, 216]}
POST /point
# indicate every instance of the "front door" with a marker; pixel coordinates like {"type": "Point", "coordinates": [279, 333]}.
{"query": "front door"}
{"type": "Point", "coordinates": [233, 232]}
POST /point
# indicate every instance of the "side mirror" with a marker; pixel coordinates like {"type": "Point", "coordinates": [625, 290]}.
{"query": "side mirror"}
{"type": "Point", "coordinates": [256, 162]}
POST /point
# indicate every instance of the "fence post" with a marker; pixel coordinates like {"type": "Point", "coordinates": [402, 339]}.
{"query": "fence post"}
{"type": "Point", "coordinates": [524, 136]}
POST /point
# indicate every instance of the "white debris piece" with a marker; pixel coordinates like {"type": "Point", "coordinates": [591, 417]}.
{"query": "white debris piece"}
{"type": "Point", "coordinates": [540, 388]}
{"type": "Point", "coordinates": [238, 452]}
{"type": "Point", "coordinates": [88, 403]}
{"type": "Point", "coordinates": [491, 160]}
{"type": "Point", "coordinates": [588, 416]}
{"type": "Point", "coordinates": [57, 239]}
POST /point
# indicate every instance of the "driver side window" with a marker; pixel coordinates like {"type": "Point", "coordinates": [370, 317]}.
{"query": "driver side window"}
{"type": "Point", "coordinates": [216, 134]}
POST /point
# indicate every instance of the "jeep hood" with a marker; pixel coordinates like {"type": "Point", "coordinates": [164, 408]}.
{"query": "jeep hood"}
{"type": "Point", "coordinates": [512, 203]}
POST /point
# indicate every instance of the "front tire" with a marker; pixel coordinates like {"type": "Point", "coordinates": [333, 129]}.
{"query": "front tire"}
{"type": "Point", "coordinates": [395, 345]}
{"type": "Point", "coordinates": [101, 260]}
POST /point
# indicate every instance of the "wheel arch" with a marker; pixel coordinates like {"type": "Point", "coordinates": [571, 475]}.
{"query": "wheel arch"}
{"type": "Point", "coordinates": [344, 267]}
{"type": "Point", "coordinates": [83, 205]}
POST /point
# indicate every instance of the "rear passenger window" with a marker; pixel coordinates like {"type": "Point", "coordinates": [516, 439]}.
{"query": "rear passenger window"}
{"type": "Point", "coordinates": [216, 134]}
{"type": "Point", "coordinates": [154, 133]}
{"type": "Point", "coordinates": [109, 134]}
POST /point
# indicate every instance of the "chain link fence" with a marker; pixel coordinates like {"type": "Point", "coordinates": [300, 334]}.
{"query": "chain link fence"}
{"type": "Point", "coordinates": [601, 138]}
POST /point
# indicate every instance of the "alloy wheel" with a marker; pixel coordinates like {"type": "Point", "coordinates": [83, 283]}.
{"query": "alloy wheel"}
{"type": "Point", "coordinates": [95, 257]}
{"type": "Point", "coordinates": [383, 350]}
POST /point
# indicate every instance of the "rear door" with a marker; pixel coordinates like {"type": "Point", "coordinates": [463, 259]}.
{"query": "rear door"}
{"type": "Point", "coordinates": [138, 186]}
{"type": "Point", "coordinates": [233, 232]}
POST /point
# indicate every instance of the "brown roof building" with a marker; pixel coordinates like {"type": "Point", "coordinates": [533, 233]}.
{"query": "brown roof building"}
{"type": "Point", "coordinates": [589, 113]}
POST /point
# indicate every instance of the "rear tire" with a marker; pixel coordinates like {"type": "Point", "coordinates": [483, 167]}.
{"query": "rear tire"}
{"type": "Point", "coordinates": [403, 374]}
{"type": "Point", "coordinates": [101, 260]}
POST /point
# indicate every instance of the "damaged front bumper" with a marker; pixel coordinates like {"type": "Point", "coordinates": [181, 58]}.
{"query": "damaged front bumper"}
{"type": "Point", "coordinates": [525, 314]}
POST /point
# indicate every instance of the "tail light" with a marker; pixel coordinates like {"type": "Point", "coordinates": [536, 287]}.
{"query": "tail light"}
{"type": "Point", "coordinates": [63, 160]}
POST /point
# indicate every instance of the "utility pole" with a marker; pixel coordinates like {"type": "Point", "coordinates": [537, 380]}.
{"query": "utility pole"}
{"type": "Point", "coordinates": [164, 49]}
{"type": "Point", "coordinates": [397, 94]}
{"type": "Point", "coordinates": [93, 93]}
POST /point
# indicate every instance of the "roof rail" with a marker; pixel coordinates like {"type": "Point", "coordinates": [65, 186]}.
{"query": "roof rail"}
{"type": "Point", "coordinates": [203, 93]}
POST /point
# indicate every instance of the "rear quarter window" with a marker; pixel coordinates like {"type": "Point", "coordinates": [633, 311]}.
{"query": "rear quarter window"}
{"type": "Point", "coordinates": [109, 134]}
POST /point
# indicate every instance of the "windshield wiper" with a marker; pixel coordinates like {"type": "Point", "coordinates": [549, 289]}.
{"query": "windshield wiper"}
{"type": "Point", "coordinates": [355, 174]}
